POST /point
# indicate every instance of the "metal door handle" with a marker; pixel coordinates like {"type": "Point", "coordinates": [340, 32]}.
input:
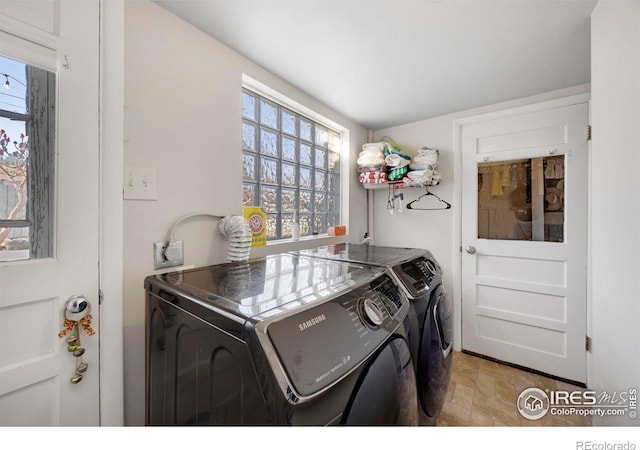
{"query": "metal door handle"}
{"type": "Point", "coordinates": [76, 308]}
{"type": "Point", "coordinates": [470, 249]}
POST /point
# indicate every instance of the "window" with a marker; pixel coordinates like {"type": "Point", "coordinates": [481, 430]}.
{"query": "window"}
{"type": "Point", "coordinates": [522, 199]}
{"type": "Point", "coordinates": [290, 167]}
{"type": "Point", "coordinates": [27, 114]}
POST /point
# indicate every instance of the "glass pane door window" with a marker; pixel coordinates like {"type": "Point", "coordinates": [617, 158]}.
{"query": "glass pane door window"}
{"type": "Point", "coordinates": [522, 199]}
{"type": "Point", "coordinates": [27, 149]}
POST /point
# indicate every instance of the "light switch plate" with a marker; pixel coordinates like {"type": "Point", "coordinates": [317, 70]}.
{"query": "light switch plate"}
{"type": "Point", "coordinates": [140, 183]}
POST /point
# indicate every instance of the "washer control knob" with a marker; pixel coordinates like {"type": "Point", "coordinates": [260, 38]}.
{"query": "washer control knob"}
{"type": "Point", "coordinates": [372, 313]}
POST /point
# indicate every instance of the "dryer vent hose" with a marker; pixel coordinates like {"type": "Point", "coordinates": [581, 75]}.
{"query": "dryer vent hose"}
{"type": "Point", "coordinates": [236, 229]}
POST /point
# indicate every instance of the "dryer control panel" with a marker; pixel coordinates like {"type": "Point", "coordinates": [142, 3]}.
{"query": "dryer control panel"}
{"type": "Point", "coordinates": [417, 275]}
{"type": "Point", "coordinates": [321, 345]}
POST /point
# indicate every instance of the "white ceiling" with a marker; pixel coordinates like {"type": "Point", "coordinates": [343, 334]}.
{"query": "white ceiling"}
{"type": "Point", "coordinates": [388, 62]}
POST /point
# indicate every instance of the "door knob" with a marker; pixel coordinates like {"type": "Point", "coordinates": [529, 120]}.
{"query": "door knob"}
{"type": "Point", "coordinates": [76, 308]}
{"type": "Point", "coordinates": [470, 249]}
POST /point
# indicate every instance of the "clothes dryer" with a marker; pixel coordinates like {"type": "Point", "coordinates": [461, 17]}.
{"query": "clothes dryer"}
{"type": "Point", "coordinates": [431, 318]}
{"type": "Point", "coordinates": [281, 340]}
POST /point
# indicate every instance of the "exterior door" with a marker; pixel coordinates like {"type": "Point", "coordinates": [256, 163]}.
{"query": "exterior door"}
{"type": "Point", "coordinates": [524, 238]}
{"type": "Point", "coordinates": [59, 258]}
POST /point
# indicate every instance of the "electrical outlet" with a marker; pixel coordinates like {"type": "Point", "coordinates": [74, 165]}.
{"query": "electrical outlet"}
{"type": "Point", "coordinates": [171, 258]}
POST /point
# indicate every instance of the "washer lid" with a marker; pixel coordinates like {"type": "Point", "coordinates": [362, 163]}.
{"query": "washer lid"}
{"type": "Point", "coordinates": [365, 254]}
{"type": "Point", "coordinates": [264, 287]}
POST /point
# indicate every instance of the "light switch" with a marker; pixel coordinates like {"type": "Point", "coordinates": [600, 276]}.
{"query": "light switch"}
{"type": "Point", "coordinates": [140, 183]}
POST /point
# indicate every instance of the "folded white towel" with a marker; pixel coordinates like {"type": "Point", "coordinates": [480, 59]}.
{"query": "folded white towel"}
{"type": "Point", "coordinates": [370, 160]}
{"type": "Point", "coordinates": [374, 147]}
{"type": "Point", "coordinates": [418, 175]}
{"type": "Point", "coordinates": [426, 159]}
{"type": "Point", "coordinates": [426, 151]}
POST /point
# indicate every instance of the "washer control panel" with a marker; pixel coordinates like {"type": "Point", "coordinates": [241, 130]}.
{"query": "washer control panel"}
{"type": "Point", "coordinates": [320, 345]}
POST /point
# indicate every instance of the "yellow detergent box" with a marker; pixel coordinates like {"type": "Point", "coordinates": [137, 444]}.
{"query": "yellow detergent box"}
{"type": "Point", "coordinates": [258, 223]}
{"type": "Point", "coordinates": [338, 230]}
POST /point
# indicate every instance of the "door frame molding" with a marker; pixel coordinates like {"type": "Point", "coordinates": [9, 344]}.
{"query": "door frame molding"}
{"type": "Point", "coordinates": [111, 235]}
{"type": "Point", "coordinates": [555, 99]}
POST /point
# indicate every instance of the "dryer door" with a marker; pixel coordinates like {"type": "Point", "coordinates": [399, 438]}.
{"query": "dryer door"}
{"type": "Point", "coordinates": [435, 353]}
{"type": "Point", "coordinates": [386, 391]}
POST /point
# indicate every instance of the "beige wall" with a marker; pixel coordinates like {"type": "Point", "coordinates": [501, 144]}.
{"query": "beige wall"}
{"type": "Point", "coordinates": [182, 117]}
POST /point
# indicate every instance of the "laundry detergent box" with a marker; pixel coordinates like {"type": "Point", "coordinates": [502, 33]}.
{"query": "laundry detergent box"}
{"type": "Point", "coordinates": [258, 223]}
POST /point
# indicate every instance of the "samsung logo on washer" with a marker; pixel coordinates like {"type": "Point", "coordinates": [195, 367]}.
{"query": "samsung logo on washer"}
{"type": "Point", "coordinates": [312, 322]}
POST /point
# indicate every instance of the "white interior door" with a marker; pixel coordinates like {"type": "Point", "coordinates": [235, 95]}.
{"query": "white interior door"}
{"type": "Point", "coordinates": [61, 256]}
{"type": "Point", "coordinates": [524, 239]}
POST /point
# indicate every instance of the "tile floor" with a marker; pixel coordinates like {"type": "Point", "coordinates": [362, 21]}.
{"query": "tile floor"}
{"type": "Point", "coordinates": [484, 393]}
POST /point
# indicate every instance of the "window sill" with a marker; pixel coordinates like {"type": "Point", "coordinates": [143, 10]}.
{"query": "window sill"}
{"type": "Point", "coordinates": [288, 245]}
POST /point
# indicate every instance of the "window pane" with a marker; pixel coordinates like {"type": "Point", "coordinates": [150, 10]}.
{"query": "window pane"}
{"type": "Point", "coordinates": [334, 183]}
{"type": "Point", "coordinates": [248, 167]}
{"type": "Point", "coordinates": [272, 222]}
{"type": "Point", "coordinates": [332, 203]}
{"type": "Point", "coordinates": [305, 201]}
{"type": "Point", "coordinates": [305, 130]}
{"type": "Point", "coordinates": [268, 142]}
{"type": "Point", "coordinates": [269, 199]}
{"type": "Point", "coordinates": [288, 174]}
{"type": "Point", "coordinates": [248, 194]}
{"type": "Point", "coordinates": [320, 205]}
{"type": "Point", "coordinates": [305, 225]}
{"type": "Point", "coordinates": [288, 123]}
{"type": "Point", "coordinates": [248, 137]}
{"type": "Point", "coordinates": [288, 200]}
{"type": "Point", "coordinates": [522, 200]}
{"type": "Point", "coordinates": [321, 158]}
{"type": "Point", "coordinates": [14, 97]}
{"type": "Point", "coordinates": [13, 170]}
{"type": "Point", "coordinates": [320, 224]}
{"type": "Point", "coordinates": [248, 106]}
{"type": "Point", "coordinates": [287, 225]}
{"type": "Point", "coordinates": [268, 114]}
{"type": "Point", "coordinates": [305, 178]}
{"type": "Point", "coordinates": [322, 137]}
{"type": "Point", "coordinates": [288, 149]}
{"type": "Point", "coordinates": [321, 180]}
{"type": "Point", "coordinates": [305, 154]}
{"type": "Point", "coordinates": [268, 171]}
{"type": "Point", "coordinates": [334, 162]}
{"type": "Point", "coordinates": [334, 142]}
{"type": "Point", "coordinates": [27, 161]}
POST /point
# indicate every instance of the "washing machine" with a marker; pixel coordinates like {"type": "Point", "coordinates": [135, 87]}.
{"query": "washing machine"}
{"type": "Point", "coordinates": [281, 340]}
{"type": "Point", "coordinates": [430, 315]}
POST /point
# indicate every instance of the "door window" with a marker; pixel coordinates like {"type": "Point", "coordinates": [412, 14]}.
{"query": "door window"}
{"type": "Point", "coordinates": [522, 199]}
{"type": "Point", "coordinates": [27, 143]}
